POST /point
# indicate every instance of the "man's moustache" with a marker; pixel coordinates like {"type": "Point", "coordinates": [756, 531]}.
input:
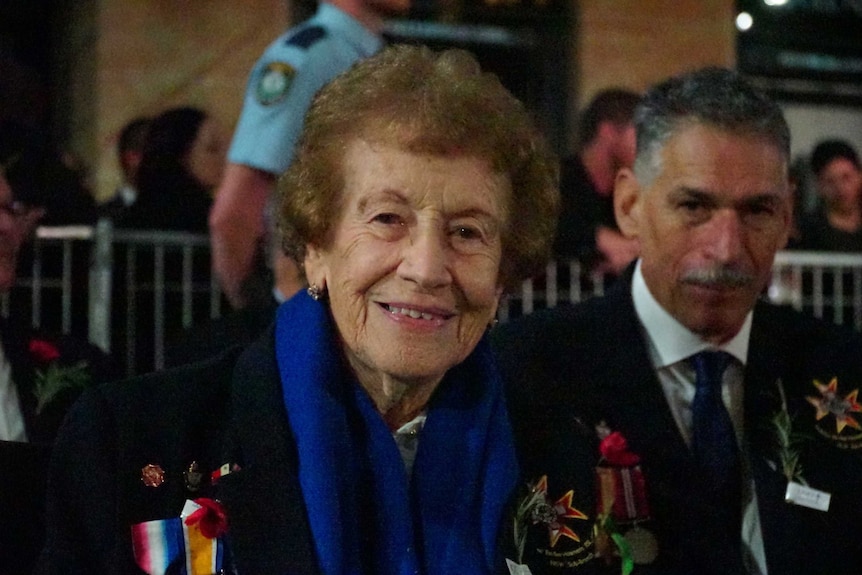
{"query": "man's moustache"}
{"type": "Point", "coordinates": [719, 277]}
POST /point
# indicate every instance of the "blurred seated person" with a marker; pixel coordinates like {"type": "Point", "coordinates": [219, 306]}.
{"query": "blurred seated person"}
{"type": "Point", "coordinates": [130, 149]}
{"type": "Point", "coordinates": [837, 226]}
{"type": "Point", "coordinates": [40, 376]}
{"type": "Point", "coordinates": [420, 192]}
{"type": "Point", "coordinates": [181, 164]}
{"type": "Point", "coordinates": [587, 228]}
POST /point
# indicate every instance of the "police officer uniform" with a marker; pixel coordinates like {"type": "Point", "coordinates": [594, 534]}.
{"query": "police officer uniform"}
{"type": "Point", "coordinates": [286, 77]}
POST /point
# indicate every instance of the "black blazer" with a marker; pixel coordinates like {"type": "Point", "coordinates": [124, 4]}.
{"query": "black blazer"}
{"type": "Point", "coordinates": [25, 465]}
{"type": "Point", "coordinates": [228, 409]}
{"type": "Point", "coordinates": [570, 368]}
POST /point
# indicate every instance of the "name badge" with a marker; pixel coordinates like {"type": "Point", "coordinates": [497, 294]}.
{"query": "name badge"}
{"type": "Point", "coordinates": [807, 497]}
{"type": "Point", "coordinates": [517, 568]}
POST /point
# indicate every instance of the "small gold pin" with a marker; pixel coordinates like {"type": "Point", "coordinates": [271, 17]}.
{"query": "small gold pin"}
{"type": "Point", "coordinates": [152, 475]}
{"type": "Point", "coordinates": [193, 477]}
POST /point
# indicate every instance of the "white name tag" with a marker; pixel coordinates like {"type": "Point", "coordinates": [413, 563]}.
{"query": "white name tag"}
{"type": "Point", "coordinates": [517, 568]}
{"type": "Point", "coordinates": [807, 497]}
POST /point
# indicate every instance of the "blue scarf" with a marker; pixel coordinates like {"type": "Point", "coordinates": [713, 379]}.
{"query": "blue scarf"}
{"type": "Point", "coordinates": [366, 516]}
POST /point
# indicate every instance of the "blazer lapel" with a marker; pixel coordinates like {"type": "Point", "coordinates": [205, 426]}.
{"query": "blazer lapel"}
{"type": "Point", "coordinates": [269, 531]}
{"type": "Point", "coordinates": [630, 390]}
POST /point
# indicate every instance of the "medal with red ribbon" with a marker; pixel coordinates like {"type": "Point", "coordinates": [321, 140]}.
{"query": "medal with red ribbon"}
{"type": "Point", "coordinates": [622, 495]}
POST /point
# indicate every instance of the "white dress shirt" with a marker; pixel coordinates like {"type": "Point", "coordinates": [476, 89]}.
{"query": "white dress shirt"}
{"type": "Point", "coordinates": [670, 344]}
{"type": "Point", "coordinates": [11, 419]}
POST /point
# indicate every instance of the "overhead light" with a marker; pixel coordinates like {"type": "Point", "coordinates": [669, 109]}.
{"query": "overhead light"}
{"type": "Point", "coordinates": [744, 21]}
{"type": "Point", "coordinates": [775, 2]}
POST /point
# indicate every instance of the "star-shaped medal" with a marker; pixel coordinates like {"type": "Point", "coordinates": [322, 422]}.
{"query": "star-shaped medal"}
{"type": "Point", "coordinates": [552, 514]}
{"type": "Point", "coordinates": [830, 402]}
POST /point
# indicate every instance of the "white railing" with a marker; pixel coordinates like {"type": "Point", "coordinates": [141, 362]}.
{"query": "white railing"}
{"type": "Point", "coordinates": [138, 287]}
{"type": "Point", "coordinates": [827, 285]}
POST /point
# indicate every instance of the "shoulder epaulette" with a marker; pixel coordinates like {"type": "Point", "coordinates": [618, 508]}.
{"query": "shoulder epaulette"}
{"type": "Point", "coordinates": [307, 36]}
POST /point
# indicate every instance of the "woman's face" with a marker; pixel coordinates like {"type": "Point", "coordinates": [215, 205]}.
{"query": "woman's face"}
{"type": "Point", "coordinates": [412, 268]}
{"type": "Point", "coordinates": [206, 159]}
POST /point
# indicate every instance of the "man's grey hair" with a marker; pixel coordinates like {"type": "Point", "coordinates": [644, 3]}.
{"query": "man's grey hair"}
{"type": "Point", "coordinates": [713, 96]}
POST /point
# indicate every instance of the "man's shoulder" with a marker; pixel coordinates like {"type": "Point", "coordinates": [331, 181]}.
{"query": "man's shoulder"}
{"type": "Point", "coordinates": [788, 324]}
{"type": "Point", "coordinates": [584, 320]}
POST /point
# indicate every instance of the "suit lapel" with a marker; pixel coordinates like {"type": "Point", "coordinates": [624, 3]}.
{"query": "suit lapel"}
{"type": "Point", "coordinates": [630, 390]}
{"type": "Point", "coordinates": [784, 535]}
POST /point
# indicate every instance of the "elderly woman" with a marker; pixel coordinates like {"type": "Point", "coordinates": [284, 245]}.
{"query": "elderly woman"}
{"type": "Point", "coordinates": [367, 431]}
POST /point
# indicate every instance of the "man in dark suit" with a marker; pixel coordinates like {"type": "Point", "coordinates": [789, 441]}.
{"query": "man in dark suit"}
{"type": "Point", "coordinates": [742, 461]}
{"type": "Point", "coordinates": [40, 377]}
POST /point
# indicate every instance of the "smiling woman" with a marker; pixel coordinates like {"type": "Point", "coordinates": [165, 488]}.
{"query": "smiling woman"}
{"type": "Point", "coordinates": [420, 192]}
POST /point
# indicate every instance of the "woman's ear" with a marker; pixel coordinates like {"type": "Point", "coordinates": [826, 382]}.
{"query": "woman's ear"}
{"type": "Point", "coordinates": [315, 266]}
{"type": "Point", "coordinates": [627, 204]}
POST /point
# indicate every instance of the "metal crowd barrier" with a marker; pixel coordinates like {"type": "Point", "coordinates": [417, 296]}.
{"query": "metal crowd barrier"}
{"type": "Point", "coordinates": [133, 289]}
{"type": "Point", "coordinates": [140, 286]}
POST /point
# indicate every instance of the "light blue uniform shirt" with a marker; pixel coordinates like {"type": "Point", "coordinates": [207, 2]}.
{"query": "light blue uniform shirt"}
{"type": "Point", "coordinates": [286, 77]}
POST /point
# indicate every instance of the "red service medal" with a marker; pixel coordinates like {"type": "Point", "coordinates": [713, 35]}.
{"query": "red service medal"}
{"type": "Point", "coordinates": [622, 496]}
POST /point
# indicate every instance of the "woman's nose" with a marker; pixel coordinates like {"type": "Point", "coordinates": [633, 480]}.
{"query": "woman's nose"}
{"type": "Point", "coordinates": [425, 259]}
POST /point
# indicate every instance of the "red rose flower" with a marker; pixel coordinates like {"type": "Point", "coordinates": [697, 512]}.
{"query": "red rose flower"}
{"type": "Point", "coordinates": [44, 351]}
{"type": "Point", "coordinates": [211, 518]}
{"type": "Point", "coordinates": [615, 450]}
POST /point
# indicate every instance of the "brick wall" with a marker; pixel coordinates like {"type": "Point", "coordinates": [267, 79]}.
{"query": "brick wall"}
{"type": "Point", "coordinates": [154, 54]}
{"type": "Point", "coordinates": [148, 55]}
{"type": "Point", "coordinates": [635, 43]}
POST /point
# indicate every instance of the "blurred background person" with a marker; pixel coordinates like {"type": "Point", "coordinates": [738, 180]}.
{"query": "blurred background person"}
{"type": "Point", "coordinates": [420, 193]}
{"type": "Point", "coordinates": [836, 225]}
{"type": "Point", "coordinates": [587, 228]}
{"type": "Point", "coordinates": [280, 88]}
{"type": "Point", "coordinates": [42, 174]}
{"type": "Point", "coordinates": [39, 175]}
{"type": "Point", "coordinates": [28, 412]}
{"type": "Point", "coordinates": [130, 150]}
{"type": "Point", "coordinates": [181, 164]}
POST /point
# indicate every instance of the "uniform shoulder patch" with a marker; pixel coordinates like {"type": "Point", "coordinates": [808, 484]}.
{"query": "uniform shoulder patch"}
{"type": "Point", "coordinates": [274, 82]}
{"type": "Point", "coordinates": [306, 37]}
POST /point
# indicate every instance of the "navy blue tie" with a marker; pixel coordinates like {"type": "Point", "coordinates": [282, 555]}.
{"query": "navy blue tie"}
{"type": "Point", "coordinates": [714, 445]}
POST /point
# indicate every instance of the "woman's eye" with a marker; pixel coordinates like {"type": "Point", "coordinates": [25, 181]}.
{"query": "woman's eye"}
{"type": "Point", "coordinates": [388, 219]}
{"type": "Point", "coordinates": [467, 233]}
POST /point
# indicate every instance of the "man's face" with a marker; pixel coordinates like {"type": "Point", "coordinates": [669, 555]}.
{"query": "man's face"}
{"type": "Point", "coordinates": [840, 185]}
{"type": "Point", "coordinates": [11, 234]}
{"type": "Point", "coordinates": [709, 225]}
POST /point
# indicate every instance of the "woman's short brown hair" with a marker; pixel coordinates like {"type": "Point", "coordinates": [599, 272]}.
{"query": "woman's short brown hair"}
{"type": "Point", "coordinates": [438, 103]}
